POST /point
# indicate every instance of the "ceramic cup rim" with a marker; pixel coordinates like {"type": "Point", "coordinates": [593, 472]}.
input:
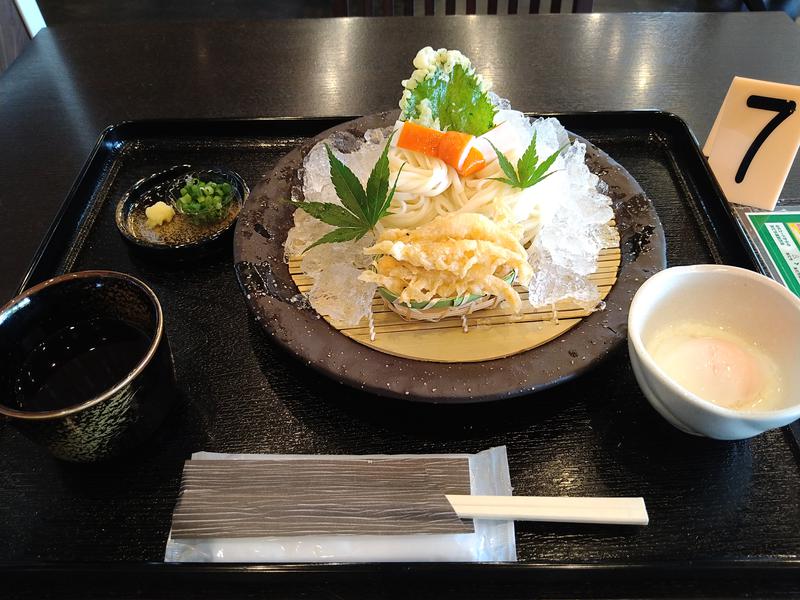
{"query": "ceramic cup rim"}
{"type": "Point", "coordinates": [112, 391]}
{"type": "Point", "coordinates": [634, 334]}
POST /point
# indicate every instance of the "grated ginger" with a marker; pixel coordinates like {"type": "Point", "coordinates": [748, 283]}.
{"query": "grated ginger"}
{"type": "Point", "coordinates": [158, 214]}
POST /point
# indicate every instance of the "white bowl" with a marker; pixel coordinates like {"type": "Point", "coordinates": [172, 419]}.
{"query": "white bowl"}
{"type": "Point", "coordinates": [755, 307]}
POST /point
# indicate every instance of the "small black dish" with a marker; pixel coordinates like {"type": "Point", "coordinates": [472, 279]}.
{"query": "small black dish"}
{"type": "Point", "coordinates": [183, 237]}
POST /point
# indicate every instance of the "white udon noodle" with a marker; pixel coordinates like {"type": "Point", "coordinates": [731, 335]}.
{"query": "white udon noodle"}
{"type": "Point", "coordinates": [428, 187]}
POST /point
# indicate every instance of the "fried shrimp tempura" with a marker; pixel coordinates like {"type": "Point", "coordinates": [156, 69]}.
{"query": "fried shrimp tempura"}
{"type": "Point", "coordinates": [455, 254]}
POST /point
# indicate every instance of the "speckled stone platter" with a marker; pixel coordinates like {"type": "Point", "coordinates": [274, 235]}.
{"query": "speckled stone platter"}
{"type": "Point", "coordinates": [273, 297]}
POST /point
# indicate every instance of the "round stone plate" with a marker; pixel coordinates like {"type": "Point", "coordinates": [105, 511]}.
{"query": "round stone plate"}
{"type": "Point", "coordinates": [288, 319]}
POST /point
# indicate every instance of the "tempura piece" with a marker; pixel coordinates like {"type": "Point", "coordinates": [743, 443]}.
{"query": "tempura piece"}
{"type": "Point", "coordinates": [453, 255]}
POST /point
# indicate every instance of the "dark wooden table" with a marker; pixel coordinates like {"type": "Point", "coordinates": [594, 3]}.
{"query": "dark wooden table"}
{"type": "Point", "coordinates": [73, 82]}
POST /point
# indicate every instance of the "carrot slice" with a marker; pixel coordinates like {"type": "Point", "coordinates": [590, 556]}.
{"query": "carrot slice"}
{"type": "Point", "coordinates": [472, 163]}
{"type": "Point", "coordinates": [452, 146]}
{"type": "Point", "coordinates": [455, 149]}
{"type": "Point", "coordinates": [419, 138]}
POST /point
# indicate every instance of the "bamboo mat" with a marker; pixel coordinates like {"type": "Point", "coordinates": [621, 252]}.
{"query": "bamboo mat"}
{"type": "Point", "coordinates": [491, 333]}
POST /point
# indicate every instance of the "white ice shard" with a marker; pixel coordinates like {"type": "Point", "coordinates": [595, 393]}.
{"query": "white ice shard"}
{"type": "Point", "coordinates": [334, 268]}
{"type": "Point", "coordinates": [337, 292]}
{"type": "Point", "coordinates": [574, 230]}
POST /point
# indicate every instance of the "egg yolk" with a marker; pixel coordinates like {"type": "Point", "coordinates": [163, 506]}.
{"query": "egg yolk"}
{"type": "Point", "coordinates": [715, 369]}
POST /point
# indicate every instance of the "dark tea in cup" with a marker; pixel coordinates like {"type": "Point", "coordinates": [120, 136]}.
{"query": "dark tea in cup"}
{"type": "Point", "coordinates": [78, 362]}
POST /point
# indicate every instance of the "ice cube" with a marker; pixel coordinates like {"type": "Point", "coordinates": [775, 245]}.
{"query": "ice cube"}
{"type": "Point", "coordinates": [335, 268]}
{"type": "Point", "coordinates": [337, 292]}
{"type": "Point", "coordinates": [322, 257]}
{"type": "Point", "coordinates": [498, 102]}
{"type": "Point", "coordinates": [550, 136]}
{"type": "Point", "coordinates": [573, 231]}
{"type": "Point", "coordinates": [518, 121]}
{"type": "Point", "coordinates": [305, 232]}
{"type": "Point", "coordinates": [317, 186]}
{"type": "Point", "coordinates": [376, 136]}
{"type": "Point", "coordinates": [552, 283]}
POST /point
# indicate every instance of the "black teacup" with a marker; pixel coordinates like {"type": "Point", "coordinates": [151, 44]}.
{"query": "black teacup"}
{"type": "Point", "coordinates": [85, 366]}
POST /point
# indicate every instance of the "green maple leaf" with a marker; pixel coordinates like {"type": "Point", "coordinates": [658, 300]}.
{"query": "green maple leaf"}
{"type": "Point", "coordinates": [529, 170]}
{"type": "Point", "coordinates": [361, 209]}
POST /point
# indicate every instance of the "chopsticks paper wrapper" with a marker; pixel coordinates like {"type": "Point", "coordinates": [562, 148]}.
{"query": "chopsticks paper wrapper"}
{"type": "Point", "coordinates": [297, 508]}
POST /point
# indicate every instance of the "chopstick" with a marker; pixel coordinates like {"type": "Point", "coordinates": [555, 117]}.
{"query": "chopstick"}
{"type": "Point", "coordinates": [560, 509]}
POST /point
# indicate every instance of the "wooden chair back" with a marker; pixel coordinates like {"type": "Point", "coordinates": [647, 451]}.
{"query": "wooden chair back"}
{"type": "Point", "coordinates": [388, 8]}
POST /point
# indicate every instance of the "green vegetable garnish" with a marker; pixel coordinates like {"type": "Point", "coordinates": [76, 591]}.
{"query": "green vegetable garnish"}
{"type": "Point", "coordinates": [529, 170]}
{"type": "Point", "coordinates": [455, 99]}
{"type": "Point", "coordinates": [361, 209]}
{"type": "Point", "coordinates": [204, 201]}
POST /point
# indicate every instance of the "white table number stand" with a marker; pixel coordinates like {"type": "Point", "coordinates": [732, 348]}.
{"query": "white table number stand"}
{"type": "Point", "coordinates": [754, 140]}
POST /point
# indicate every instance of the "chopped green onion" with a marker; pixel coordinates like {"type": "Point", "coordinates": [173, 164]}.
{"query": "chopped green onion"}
{"type": "Point", "coordinates": [204, 201]}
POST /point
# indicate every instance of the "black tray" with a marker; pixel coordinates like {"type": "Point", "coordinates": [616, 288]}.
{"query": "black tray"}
{"type": "Point", "coordinates": [719, 510]}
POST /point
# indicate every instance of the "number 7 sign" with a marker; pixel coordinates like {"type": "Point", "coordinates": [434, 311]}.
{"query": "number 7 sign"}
{"type": "Point", "coordinates": [754, 140]}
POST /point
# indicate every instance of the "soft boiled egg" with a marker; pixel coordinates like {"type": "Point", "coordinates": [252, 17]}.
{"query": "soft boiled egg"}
{"type": "Point", "coordinates": [717, 365]}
